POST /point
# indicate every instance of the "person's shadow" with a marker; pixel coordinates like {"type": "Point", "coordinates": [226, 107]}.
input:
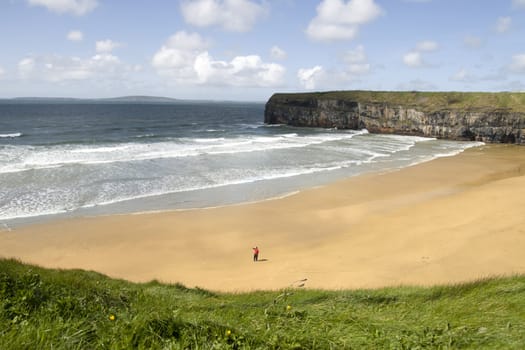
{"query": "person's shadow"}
{"type": "Point", "coordinates": [262, 260]}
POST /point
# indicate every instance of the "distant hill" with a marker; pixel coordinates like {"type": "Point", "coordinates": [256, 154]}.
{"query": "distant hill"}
{"type": "Point", "coordinates": [42, 99]}
{"type": "Point", "coordinates": [156, 99]}
{"type": "Point", "coordinates": [122, 99]}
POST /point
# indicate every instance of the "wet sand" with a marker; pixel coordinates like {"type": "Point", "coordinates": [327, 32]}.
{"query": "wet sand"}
{"type": "Point", "coordinates": [450, 220]}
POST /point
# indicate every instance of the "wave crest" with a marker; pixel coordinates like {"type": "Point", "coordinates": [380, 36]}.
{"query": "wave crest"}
{"type": "Point", "coordinates": [12, 135]}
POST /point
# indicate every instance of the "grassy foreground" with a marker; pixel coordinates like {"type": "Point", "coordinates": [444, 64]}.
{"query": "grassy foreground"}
{"type": "Point", "coordinates": [73, 309]}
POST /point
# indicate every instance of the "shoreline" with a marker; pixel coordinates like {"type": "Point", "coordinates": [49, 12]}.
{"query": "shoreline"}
{"type": "Point", "coordinates": [449, 220]}
{"type": "Point", "coordinates": [225, 194]}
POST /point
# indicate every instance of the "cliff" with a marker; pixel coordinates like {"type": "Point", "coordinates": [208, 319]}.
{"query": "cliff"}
{"type": "Point", "coordinates": [488, 117]}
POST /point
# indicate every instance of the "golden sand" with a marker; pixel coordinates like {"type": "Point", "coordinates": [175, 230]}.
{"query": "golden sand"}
{"type": "Point", "coordinates": [450, 220]}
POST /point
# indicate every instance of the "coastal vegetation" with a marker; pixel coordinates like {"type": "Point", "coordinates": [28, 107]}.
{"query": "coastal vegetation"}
{"type": "Point", "coordinates": [423, 101]}
{"type": "Point", "coordinates": [74, 309]}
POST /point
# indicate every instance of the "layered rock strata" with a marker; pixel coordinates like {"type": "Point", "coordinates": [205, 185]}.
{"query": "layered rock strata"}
{"type": "Point", "coordinates": [487, 117]}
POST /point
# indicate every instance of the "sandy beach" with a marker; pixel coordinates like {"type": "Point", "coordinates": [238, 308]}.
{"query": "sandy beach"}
{"type": "Point", "coordinates": [450, 220]}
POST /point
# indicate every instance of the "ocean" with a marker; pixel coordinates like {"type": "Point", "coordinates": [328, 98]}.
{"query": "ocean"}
{"type": "Point", "coordinates": [95, 158]}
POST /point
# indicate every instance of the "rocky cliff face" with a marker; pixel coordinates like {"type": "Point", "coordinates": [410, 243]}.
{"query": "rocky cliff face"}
{"type": "Point", "coordinates": [488, 124]}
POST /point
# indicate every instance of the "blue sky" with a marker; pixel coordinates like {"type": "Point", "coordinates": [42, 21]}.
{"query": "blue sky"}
{"type": "Point", "coordinates": [249, 49]}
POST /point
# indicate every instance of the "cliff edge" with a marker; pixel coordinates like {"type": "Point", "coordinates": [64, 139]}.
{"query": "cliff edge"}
{"type": "Point", "coordinates": [481, 116]}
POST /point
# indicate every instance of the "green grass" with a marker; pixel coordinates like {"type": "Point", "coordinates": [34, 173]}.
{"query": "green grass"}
{"type": "Point", "coordinates": [424, 101]}
{"type": "Point", "coordinates": [52, 309]}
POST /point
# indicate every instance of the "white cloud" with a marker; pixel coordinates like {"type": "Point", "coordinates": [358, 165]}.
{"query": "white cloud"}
{"type": "Point", "coordinates": [518, 63]}
{"type": "Point", "coordinates": [177, 57]}
{"type": "Point", "coordinates": [185, 41]}
{"type": "Point", "coordinates": [277, 53]}
{"type": "Point", "coordinates": [472, 42]}
{"type": "Point", "coordinates": [427, 46]}
{"type": "Point", "coordinates": [26, 67]}
{"type": "Point", "coordinates": [106, 46]}
{"type": "Point", "coordinates": [55, 68]}
{"type": "Point", "coordinates": [185, 58]}
{"type": "Point", "coordinates": [355, 56]}
{"type": "Point", "coordinates": [518, 3]}
{"type": "Point", "coordinates": [310, 77]}
{"type": "Point", "coordinates": [503, 24]}
{"type": "Point", "coordinates": [246, 71]}
{"type": "Point", "coordinates": [76, 7]}
{"type": "Point", "coordinates": [413, 59]}
{"type": "Point", "coordinates": [463, 76]}
{"type": "Point", "coordinates": [75, 35]}
{"type": "Point", "coordinates": [354, 65]}
{"type": "Point", "coordinates": [356, 61]}
{"type": "Point", "coordinates": [340, 20]}
{"type": "Point", "coordinates": [232, 15]}
{"type": "Point", "coordinates": [358, 69]}
{"type": "Point", "coordinates": [2, 72]}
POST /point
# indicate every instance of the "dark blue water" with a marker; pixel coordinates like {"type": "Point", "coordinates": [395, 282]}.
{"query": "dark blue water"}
{"type": "Point", "coordinates": [101, 158]}
{"type": "Point", "coordinates": [92, 123]}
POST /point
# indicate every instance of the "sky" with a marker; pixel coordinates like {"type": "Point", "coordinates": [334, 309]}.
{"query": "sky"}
{"type": "Point", "coordinates": [246, 50]}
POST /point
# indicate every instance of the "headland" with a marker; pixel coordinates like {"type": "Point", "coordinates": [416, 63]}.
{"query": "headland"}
{"type": "Point", "coordinates": [475, 116]}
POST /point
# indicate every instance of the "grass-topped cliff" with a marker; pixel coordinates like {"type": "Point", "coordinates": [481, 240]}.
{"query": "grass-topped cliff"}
{"type": "Point", "coordinates": [51, 309]}
{"type": "Point", "coordinates": [420, 100]}
{"type": "Point", "coordinates": [480, 116]}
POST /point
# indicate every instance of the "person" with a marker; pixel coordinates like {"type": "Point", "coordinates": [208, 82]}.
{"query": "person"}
{"type": "Point", "coordinates": [255, 253]}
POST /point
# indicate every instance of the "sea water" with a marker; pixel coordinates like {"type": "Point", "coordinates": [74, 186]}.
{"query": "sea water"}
{"type": "Point", "coordinates": [79, 158]}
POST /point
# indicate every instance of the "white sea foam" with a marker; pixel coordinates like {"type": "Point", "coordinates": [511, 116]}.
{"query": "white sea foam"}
{"type": "Point", "coordinates": [108, 149]}
{"type": "Point", "coordinates": [200, 164]}
{"type": "Point", "coordinates": [447, 153]}
{"type": "Point", "coordinates": [274, 174]}
{"type": "Point", "coordinates": [15, 134]}
{"type": "Point", "coordinates": [48, 203]}
{"type": "Point", "coordinates": [209, 140]}
{"type": "Point", "coordinates": [23, 158]}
